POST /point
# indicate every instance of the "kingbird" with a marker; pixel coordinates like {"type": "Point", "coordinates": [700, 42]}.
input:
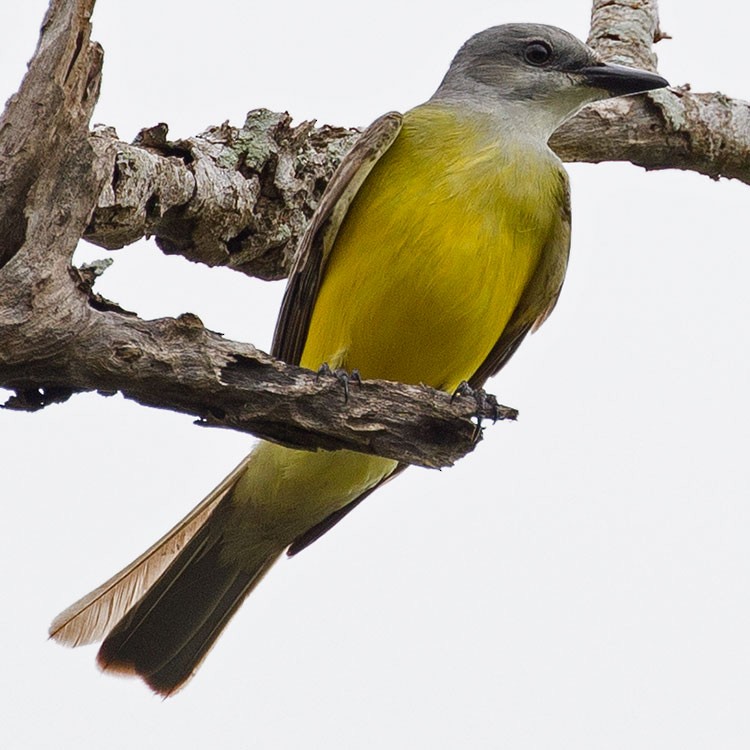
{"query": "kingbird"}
{"type": "Point", "coordinates": [440, 242]}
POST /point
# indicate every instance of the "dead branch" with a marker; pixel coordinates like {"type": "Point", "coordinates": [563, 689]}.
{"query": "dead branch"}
{"type": "Point", "coordinates": [241, 197]}
{"type": "Point", "coordinates": [60, 338]}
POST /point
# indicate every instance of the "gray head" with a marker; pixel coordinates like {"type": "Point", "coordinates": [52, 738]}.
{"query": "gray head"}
{"type": "Point", "coordinates": [530, 68]}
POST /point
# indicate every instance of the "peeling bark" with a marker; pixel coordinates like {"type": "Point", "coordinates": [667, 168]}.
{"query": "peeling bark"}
{"type": "Point", "coordinates": [44, 148]}
{"type": "Point", "coordinates": [237, 197]}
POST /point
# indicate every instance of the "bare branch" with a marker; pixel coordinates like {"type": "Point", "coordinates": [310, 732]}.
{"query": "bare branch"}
{"type": "Point", "coordinates": [179, 365]}
{"type": "Point", "coordinates": [193, 198]}
{"type": "Point", "coordinates": [44, 126]}
{"type": "Point", "coordinates": [666, 129]}
{"type": "Point", "coordinates": [670, 129]}
{"type": "Point", "coordinates": [237, 197]}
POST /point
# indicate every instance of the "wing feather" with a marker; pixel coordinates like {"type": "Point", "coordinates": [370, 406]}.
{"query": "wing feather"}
{"type": "Point", "coordinates": [304, 280]}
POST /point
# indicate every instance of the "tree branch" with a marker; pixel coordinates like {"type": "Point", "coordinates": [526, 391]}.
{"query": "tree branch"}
{"type": "Point", "coordinates": [237, 197]}
{"type": "Point", "coordinates": [669, 129]}
{"type": "Point", "coordinates": [179, 365]}
{"type": "Point", "coordinates": [59, 338]}
{"type": "Point", "coordinates": [241, 197]}
{"type": "Point", "coordinates": [665, 129]}
{"type": "Point", "coordinates": [44, 129]}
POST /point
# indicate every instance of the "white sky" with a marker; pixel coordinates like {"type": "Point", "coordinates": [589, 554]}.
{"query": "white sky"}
{"type": "Point", "coordinates": [581, 581]}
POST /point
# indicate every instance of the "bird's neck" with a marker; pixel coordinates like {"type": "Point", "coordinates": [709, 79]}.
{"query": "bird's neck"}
{"type": "Point", "coordinates": [510, 129]}
{"type": "Point", "coordinates": [525, 121]}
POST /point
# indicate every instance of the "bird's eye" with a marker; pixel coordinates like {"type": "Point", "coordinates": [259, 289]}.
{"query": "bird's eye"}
{"type": "Point", "coordinates": [537, 52]}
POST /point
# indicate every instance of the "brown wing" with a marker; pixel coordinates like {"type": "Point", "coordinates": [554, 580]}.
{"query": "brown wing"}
{"type": "Point", "coordinates": [307, 272]}
{"type": "Point", "coordinates": [315, 246]}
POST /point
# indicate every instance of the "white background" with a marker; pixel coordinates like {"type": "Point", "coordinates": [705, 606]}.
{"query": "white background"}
{"type": "Point", "coordinates": [581, 581]}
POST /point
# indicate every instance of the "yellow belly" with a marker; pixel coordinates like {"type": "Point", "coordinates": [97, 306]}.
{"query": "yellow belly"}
{"type": "Point", "coordinates": [433, 255]}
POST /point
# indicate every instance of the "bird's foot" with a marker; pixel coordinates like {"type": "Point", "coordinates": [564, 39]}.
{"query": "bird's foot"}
{"type": "Point", "coordinates": [344, 377]}
{"type": "Point", "coordinates": [486, 404]}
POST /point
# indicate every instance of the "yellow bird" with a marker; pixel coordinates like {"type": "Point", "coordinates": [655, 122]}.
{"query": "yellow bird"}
{"type": "Point", "coordinates": [441, 241]}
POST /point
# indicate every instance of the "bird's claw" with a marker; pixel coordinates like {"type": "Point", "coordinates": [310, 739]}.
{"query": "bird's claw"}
{"type": "Point", "coordinates": [485, 402]}
{"type": "Point", "coordinates": [342, 376]}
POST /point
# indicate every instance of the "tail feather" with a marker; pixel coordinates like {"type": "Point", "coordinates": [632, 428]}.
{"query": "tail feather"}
{"type": "Point", "coordinates": [181, 666]}
{"type": "Point", "coordinates": [90, 618]}
{"type": "Point", "coordinates": [165, 637]}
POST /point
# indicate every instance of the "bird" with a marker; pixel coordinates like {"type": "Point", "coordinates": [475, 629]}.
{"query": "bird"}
{"type": "Point", "coordinates": [440, 242]}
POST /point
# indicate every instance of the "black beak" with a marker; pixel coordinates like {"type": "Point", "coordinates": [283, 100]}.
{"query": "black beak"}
{"type": "Point", "coordinates": [618, 80]}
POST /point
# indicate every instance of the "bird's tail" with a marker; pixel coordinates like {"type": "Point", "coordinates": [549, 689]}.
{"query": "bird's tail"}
{"type": "Point", "coordinates": [167, 634]}
{"type": "Point", "coordinates": [162, 613]}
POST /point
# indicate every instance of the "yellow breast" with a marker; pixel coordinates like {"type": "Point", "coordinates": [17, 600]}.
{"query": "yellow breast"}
{"type": "Point", "coordinates": [434, 252]}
